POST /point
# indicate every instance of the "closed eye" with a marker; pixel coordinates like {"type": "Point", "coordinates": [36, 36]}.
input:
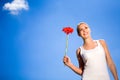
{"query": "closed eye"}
{"type": "Point", "coordinates": [81, 29]}
{"type": "Point", "coordinates": [86, 27]}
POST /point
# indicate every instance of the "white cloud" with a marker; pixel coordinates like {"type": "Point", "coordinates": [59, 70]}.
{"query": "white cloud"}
{"type": "Point", "coordinates": [16, 6]}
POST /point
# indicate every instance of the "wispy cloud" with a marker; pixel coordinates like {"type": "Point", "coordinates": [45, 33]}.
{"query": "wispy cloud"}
{"type": "Point", "coordinates": [16, 6]}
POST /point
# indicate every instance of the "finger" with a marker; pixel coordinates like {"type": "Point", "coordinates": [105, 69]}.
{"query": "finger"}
{"type": "Point", "coordinates": [64, 62]}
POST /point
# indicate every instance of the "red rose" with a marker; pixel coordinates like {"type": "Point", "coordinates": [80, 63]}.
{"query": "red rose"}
{"type": "Point", "coordinates": [67, 30]}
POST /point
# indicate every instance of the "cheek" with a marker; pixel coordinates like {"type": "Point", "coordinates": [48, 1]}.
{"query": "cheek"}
{"type": "Point", "coordinates": [89, 30]}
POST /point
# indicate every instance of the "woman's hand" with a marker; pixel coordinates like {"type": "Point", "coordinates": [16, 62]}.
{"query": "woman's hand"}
{"type": "Point", "coordinates": [66, 61]}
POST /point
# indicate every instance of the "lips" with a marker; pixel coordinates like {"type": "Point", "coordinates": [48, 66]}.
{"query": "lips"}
{"type": "Point", "coordinates": [85, 33]}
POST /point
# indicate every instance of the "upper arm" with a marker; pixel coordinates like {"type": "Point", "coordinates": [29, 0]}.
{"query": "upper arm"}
{"type": "Point", "coordinates": [80, 60]}
{"type": "Point", "coordinates": [107, 53]}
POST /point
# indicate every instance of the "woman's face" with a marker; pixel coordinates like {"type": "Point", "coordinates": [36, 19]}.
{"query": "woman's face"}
{"type": "Point", "coordinates": [84, 31]}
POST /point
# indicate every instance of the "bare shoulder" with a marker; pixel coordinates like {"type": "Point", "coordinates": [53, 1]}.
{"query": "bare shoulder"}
{"type": "Point", "coordinates": [102, 41]}
{"type": "Point", "coordinates": [78, 51]}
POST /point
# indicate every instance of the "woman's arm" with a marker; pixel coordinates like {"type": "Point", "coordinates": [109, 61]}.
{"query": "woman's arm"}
{"type": "Point", "coordinates": [80, 60]}
{"type": "Point", "coordinates": [68, 63]}
{"type": "Point", "coordinates": [109, 60]}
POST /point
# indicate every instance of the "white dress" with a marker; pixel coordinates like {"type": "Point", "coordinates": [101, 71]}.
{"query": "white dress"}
{"type": "Point", "coordinates": [95, 63]}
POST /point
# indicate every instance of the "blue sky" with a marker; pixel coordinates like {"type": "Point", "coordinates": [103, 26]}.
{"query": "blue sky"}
{"type": "Point", "coordinates": [32, 43]}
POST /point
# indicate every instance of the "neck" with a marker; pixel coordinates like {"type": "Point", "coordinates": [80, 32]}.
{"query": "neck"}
{"type": "Point", "coordinates": [88, 41]}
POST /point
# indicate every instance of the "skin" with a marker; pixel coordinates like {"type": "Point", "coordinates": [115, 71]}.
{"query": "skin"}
{"type": "Point", "coordinates": [88, 43]}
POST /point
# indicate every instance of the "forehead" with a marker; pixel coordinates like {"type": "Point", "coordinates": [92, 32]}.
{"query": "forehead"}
{"type": "Point", "coordinates": [82, 25]}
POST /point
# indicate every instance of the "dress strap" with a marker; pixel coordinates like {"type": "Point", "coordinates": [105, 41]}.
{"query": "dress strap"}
{"type": "Point", "coordinates": [98, 43]}
{"type": "Point", "coordinates": [81, 50]}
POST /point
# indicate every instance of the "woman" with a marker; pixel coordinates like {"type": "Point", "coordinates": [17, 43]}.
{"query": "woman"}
{"type": "Point", "coordinates": [93, 57]}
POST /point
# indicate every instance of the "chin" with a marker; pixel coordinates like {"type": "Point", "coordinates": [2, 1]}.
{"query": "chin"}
{"type": "Point", "coordinates": [86, 37]}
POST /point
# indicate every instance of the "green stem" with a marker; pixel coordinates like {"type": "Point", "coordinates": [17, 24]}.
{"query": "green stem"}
{"type": "Point", "coordinates": [66, 50]}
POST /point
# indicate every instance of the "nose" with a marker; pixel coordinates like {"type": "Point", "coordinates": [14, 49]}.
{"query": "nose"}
{"type": "Point", "coordinates": [83, 30]}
